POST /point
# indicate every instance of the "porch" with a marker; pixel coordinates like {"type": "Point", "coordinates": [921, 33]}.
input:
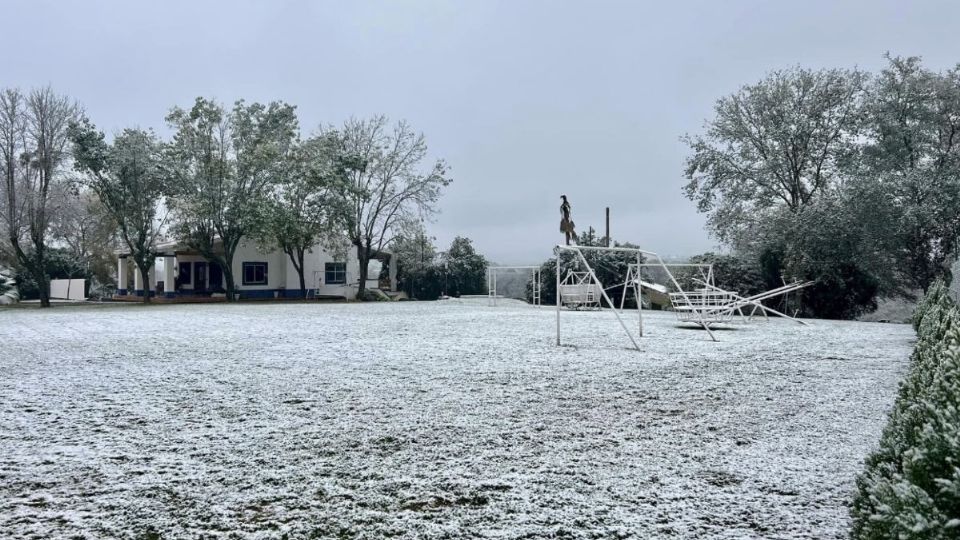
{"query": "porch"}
{"type": "Point", "coordinates": [179, 272]}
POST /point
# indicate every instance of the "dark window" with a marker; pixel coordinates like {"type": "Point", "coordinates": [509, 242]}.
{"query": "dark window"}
{"type": "Point", "coordinates": [199, 276]}
{"type": "Point", "coordinates": [184, 277]}
{"type": "Point", "coordinates": [254, 273]}
{"type": "Point", "coordinates": [215, 278]}
{"type": "Point", "coordinates": [335, 273]}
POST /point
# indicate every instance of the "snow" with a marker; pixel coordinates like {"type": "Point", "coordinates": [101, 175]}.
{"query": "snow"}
{"type": "Point", "coordinates": [431, 420]}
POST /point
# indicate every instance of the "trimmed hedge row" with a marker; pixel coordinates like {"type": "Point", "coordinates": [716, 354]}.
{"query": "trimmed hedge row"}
{"type": "Point", "coordinates": [911, 485]}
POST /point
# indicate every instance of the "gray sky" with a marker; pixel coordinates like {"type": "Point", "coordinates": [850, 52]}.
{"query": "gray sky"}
{"type": "Point", "coordinates": [526, 100]}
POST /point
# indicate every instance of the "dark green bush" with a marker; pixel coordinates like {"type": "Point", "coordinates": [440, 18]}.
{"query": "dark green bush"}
{"type": "Point", "coordinates": [61, 264]}
{"type": "Point", "coordinates": [911, 485]}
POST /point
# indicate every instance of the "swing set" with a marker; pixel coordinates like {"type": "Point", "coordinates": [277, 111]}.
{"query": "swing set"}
{"type": "Point", "coordinates": [705, 304]}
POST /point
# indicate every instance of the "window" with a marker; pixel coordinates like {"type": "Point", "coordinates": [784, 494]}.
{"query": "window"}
{"type": "Point", "coordinates": [335, 273]}
{"type": "Point", "coordinates": [254, 273]}
{"type": "Point", "coordinates": [185, 272]}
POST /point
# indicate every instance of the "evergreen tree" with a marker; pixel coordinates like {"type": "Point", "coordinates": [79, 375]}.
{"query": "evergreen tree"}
{"type": "Point", "coordinates": [464, 268]}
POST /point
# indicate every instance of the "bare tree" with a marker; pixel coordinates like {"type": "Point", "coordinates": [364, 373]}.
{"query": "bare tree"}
{"type": "Point", "coordinates": [85, 229]}
{"type": "Point", "coordinates": [389, 188]}
{"type": "Point", "coordinates": [12, 142]}
{"type": "Point", "coordinates": [33, 149]}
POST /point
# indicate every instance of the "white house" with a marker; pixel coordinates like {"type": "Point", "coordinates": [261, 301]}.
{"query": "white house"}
{"type": "Point", "coordinates": [257, 273]}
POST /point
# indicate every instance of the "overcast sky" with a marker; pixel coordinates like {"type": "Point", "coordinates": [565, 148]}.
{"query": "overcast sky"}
{"type": "Point", "coordinates": [525, 100]}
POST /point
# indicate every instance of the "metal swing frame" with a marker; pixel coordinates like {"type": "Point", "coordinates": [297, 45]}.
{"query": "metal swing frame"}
{"type": "Point", "coordinates": [640, 254]}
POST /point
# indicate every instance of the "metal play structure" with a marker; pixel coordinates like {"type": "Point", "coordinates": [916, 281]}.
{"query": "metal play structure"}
{"type": "Point", "coordinates": [492, 272]}
{"type": "Point", "coordinates": [707, 303]}
{"type": "Point", "coordinates": [704, 305]}
{"type": "Point", "coordinates": [701, 305]}
{"type": "Point", "coordinates": [739, 303]}
{"type": "Point", "coordinates": [636, 281]}
{"type": "Point", "coordinates": [581, 286]}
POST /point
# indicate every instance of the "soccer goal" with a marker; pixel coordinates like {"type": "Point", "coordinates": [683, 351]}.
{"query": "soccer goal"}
{"type": "Point", "coordinates": [533, 278]}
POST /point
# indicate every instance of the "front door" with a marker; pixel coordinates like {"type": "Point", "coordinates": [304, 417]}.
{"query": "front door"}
{"type": "Point", "coordinates": [200, 276]}
{"type": "Point", "coordinates": [216, 278]}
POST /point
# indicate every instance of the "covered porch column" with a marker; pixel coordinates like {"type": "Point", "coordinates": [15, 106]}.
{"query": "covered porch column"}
{"type": "Point", "coordinates": [153, 279]}
{"type": "Point", "coordinates": [137, 281]}
{"type": "Point", "coordinates": [169, 276]}
{"type": "Point", "coordinates": [393, 272]}
{"type": "Point", "coordinates": [122, 267]}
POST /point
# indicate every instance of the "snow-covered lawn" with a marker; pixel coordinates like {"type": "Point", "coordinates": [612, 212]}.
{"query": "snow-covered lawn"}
{"type": "Point", "coordinates": [431, 420]}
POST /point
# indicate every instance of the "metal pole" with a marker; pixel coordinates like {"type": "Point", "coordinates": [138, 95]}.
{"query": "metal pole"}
{"type": "Point", "coordinates": [533, 289]}
{"type": "Point", "coordinates": [557, 294]}
{"type": "Point", "coordinates": [489, 289]}
{"type": "Point", "coordinates": [623, 294]}
{"type": "Point", "coordinates": [638, 290]}
{"type": "Point", "coordinates": [607, 242]}
{"type": "Point", "coordinates": [610, 303]}
{"type": "Point", "coordinates": [539, 287]}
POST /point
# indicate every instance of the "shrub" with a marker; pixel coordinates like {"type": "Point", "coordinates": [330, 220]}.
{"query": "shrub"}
{"type": "Point", "coordinates": [8, 287]}
{"type": "Point", "coordinates": [937, 295]}
{"type": "Point", "coordinates": [911, 485]}
{"type": "Point", "coordinates": [375, 295]}
{"type": "Point", "coordinates": [61, 264]}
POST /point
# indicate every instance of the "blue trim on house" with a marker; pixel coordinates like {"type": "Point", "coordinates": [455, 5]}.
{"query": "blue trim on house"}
{"type": "Point", "coordinates": [138, 292]}
{"type": "Point", "coordinates": [255, 294]}
{"type": "Point", "coordinates": [121, 292]}
{"type": "Point", "coordinates": [295, 293]}
{"type": "Point", "coordinates": [264, 293]}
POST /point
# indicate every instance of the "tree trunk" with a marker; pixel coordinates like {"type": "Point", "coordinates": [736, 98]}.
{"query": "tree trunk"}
{"type": "Point", "coordinates": [296, 256]}
{"type": "Point", "coordinates": [37, 270]}
{"type": "Point", "coordinates": [145, 278]}
{"type": "Point", "coordinates": [228, 274]}
{"type": "Point", "coordinates": [231, 285]}
{"type": "Point", "coordinates": [303, 282]}
{"type": "Point", "coordinates": [363, 257]}
{"type": "Point", "coordinates": [43, 283]}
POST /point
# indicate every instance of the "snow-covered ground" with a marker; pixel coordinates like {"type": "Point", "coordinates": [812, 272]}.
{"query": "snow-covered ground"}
{"type": "Point", "coordinates": [431, 420]}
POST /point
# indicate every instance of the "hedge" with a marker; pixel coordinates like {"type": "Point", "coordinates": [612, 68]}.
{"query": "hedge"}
{"type": "Point", "coordinates": [910, 487]}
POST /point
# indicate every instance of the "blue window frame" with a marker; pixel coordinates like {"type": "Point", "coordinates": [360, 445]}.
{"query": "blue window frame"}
{"type": "Point", "coordinates": [254, 273]}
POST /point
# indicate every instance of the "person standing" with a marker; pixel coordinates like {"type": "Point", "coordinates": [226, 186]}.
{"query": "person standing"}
{"type": "Point", "coordinates": [566, 224]}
